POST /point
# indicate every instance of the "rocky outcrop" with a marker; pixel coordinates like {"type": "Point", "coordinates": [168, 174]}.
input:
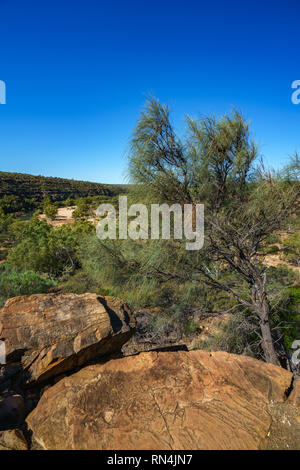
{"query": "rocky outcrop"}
{"type": "Point", "coordinates": [53, 333]}
{"type": "Point", "coordinates": [13, 439]}
{"type": "Point", "coordinates": [284, 432]}
{"type": "Point", "coordinates": [294, 398]}
{"type": "Point", "coordinates": [59, 364]}
{"type": "Point", "coordinates": [166, 400]}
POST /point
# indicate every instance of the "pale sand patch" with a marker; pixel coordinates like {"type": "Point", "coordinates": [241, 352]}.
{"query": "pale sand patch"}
{"type": "Point", "coordinates": [275, 260]}
{"type": "Point", "coordinates": [64, 216]}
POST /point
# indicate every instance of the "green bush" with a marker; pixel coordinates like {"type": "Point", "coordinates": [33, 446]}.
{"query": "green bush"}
{"type": "Point", "coordinates": [286, 316]}
{"type": "Point", "coordinates": [238, 335]}
{"type": "Point", "coordinates": [50, 211]}
{"type": "Point", "coordinates": [14, 283]}
{"type": "Point", "coordinates": [44, 249]}
{"type": "Point", "coordinates": [80, 283]}
{"type": "Point", "coordinates": [292, 248]}
{"type": "Point", "coordinates": [270, 250]}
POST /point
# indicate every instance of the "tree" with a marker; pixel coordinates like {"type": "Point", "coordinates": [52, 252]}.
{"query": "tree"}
{"type": "Point", "coordinates": [14, 283]}
{"type": "Point", "coordinates": [217, 165]}
{"type": "Point", "coordinates": [50, 210]}
{"type": "Point", "coordinates": [10, 204]}
{"type": "Point", "coordinates": [83, 209]}
{"type": "Point", "coordinates": [44, 249]}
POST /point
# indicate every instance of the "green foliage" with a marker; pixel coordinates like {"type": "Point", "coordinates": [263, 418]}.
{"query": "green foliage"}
{"type": "Point", "coordinates": [244, 206]}
{"type": "Point", "coordinates": [83, 210]}
{"type": "Point", "coordinates": [5, 222]}
{"type": "Point", "coordinates": [284, 295]}
{"type": "Point", "coordinates": [44, 249]}
{"type": "Point", "coordinates": [80, 283]}
{"type": "Point", "coordinates": [21, 192]}
{"type": "Point", "coordinates": [272, 238]}
{"type": "Point", "coordinates": [68, 202]}
{"type": "Point", "coordinates": [238, 335]}
{"type": "Point", "coordinates": [270, 250]}
{"type": "Point", "coordinates": [291, 246]}
{"type": "Point", "coordinates": [9, 204]}
{"type": "Point", "coordinates": [286, 315]}
{"type": "Point", "coordinates": [14, 283]}
{"type": "Point", "coordinates": [38, 188]}
{"type": "Point", "coordinates": [191, 326]}
{"type": "Point", "coordinates": [280, 276]}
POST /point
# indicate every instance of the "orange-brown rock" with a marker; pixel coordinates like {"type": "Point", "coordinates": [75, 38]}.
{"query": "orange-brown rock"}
{"type": "Point", "coordinates": [53, 333]}
{"type": "Point", "coordinates": [166, 400]}
{"type": "Point", "coordinates": [13, 439]}
{"type": "Point", "coordinates": [294, 398]}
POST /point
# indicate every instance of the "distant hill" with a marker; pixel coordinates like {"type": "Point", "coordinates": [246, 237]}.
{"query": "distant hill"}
{"type": "Point", "coordinates": [36, 188]}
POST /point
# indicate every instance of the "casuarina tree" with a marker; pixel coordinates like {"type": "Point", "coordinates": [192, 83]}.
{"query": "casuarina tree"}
{"type": "Point", "coordinates": [217, 164]}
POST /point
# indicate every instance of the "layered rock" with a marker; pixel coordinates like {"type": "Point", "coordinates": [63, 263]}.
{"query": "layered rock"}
{"type": "Point", "coordinates": [166, 400]}
{"type": "Point", "coordinates": [13, 439]}
{"type": "Point", "coordinates": [285, 429]}
{"type": "Point", "coordinates": [54, 333]}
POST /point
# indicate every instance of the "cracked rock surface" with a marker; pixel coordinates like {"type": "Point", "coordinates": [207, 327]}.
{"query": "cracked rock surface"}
{"type": "Point", "coordinates": [163, 400]}
{"type": "Point", "coordinates": [50, 334]}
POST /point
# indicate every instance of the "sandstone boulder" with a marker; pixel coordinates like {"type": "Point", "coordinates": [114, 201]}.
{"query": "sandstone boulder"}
{"type": "Point", "coordinates": [162, 400]}
{"type": "Point", "coordinates": [54, 333]}
{"type": "Point", "coordinates": [284, 432]}
{"type": "Point", "coordinates": [13, 439]}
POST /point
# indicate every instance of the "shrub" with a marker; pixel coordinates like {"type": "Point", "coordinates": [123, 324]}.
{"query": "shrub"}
{"type": "Point", "coordinates": [44, 249]}
{"type": "Point", "coordinates": [80, 283]}
{"type": "Point", "coordinates": [50, 211]}
{"type": "Point", "coordinates": [292, 248]}
{"type": "Point", "coordinates": [270, 250]}
{"type": "Point", "coordinates": [14, 283]}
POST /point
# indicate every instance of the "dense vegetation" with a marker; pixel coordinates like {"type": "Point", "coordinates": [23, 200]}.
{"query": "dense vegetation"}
{"type": "Point", "coordinates": [219, 165]}
{"type": "Point", "coordinates": [249, 213]}
{"type": "Point", "coordinates": [19, 191]}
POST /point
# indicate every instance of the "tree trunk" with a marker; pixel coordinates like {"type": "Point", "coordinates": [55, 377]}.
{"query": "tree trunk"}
{"type": "Point", "coordinates": [267, 342]}
{"type": "Point", "coordinates": [263, 311]}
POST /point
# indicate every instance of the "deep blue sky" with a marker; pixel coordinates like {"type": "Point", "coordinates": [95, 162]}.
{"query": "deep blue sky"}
{"type": "Point", "coordinates": [78, 73]}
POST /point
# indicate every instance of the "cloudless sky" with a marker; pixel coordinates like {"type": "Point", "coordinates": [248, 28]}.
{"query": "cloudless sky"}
{"type": "Point", "coordinates": [78, 73]}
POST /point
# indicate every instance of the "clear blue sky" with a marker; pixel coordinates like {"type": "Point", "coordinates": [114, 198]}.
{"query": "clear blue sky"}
{"type": "Point", "coordinates": [78, 73]}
